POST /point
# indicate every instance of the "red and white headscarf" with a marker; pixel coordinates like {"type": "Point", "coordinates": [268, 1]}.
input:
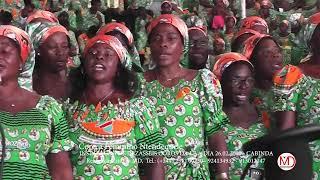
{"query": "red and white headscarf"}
{"type": "Point", "coordinates": [47, 15]}
{"type": "Point", "coordinates": [251, 21]}
{"type": "Point", "coordinates": [225, 60]}
{"type": "Point", "coordinates": [20, 37]}
{"type": "Point", "coordinates": [114, 26]}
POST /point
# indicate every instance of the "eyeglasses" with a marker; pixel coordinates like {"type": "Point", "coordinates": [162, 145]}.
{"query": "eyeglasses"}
{"type": "Point", "coordinates": [237, 81]}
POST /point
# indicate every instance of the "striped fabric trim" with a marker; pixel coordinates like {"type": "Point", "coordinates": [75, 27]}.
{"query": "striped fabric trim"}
{"type": "Point", "coordinates": [154, 138]}
{"type": "Point", "coordinates": [26, 171]}
{"type": "Point", "coordinates": [24, 118]}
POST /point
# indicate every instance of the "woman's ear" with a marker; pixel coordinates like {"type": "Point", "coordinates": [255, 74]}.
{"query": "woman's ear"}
{"type": "Point", "coordinates": [20, 67]}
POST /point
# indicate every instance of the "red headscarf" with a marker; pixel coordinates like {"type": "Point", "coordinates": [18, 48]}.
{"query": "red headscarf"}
{"type": "Point", "coordinates": [251, 43]}
{"type": "Point", "coordinates": [112, 41]}
{"type": "Point", "coordinates": [170, 19]}
{"type": "Point", "coordinates": [225, 60]}
{"type": "Point", "coordinates": [19, 36]}
{"type": "Point", "coordinates": [251, 21]}
{"type": "Point", "coordinates": [44, 15]}
{"type": "Point", "coordinates": [245, 31]}
{"type": "Point", "coordinates": [315, 18]}
{"type": "Point", "coordinates": [118, 27]}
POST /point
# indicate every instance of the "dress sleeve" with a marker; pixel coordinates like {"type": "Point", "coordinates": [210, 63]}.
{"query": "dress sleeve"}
{"type": "Point", "coordinates": [147, 128]}
{"type": "Point", "coordinates": [287, 88]}
{"type": "Point", "coordinates": [59, 127]}
{"type": "Point", "coordinates": [211, 102]}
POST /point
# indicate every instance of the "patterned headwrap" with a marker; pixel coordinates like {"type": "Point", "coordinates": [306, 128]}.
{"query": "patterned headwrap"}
{"type": "Point", "coordinates": [26, 53]}
{"type": "Point", "coordinates": [115, 44]}
{"type": "Point", "coordinates": [20, 37]}
{"type": "Point", "coordinates": [114, 26]}
{"type": "Point", "coordinates": [251, 21]}
{"type": "Point", "coordinates": [239, 34]}
{"type": "Point", "coordinates": [194, 20]}
{"type": "Point", "coordinates": [202, 30]}
{"type": "Point", "coordinates": [251, 43]}
{"type": "Point", "coordinates": [50, 17]}
{"type": "Point", "coordinates": [225, 60]}
{"type": "Point", "coordinates": [177, 23]}
{"type": "Point", "coordinates": [245, 31]}
{"type": "Point", "coordinates": [41, 33]}
{"type": "Point", "coordinates": [308, 31]}
{"type": "Point", "coordinates": [314, 20]}
{"type": "Point", "coordinates": [133, 57]}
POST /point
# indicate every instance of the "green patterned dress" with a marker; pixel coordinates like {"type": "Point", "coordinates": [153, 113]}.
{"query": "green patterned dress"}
{"type": "Point", "coordinates": [263, 101]}
{"type": "Point", "coordinates": [88, 19]}
{"type": "Point", "coordinates": [141, 34]}
{"type": "Point", "coordinates": [304, 98]}
{"type": "Point", "coordinates": [30, 136]}
{"type": "Point", "coordinates": [111, 154]}
{"type": "Point", "coordinates": [73, 40]}
{"type": "Point", "coordinates": [235, 138]}
{"type": "Point", "coordinates": [189, 113]}
{"type": "Point", "coordinates": [286, 46]}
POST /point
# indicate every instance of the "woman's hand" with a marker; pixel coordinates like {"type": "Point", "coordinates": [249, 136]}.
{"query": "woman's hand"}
{"type": "Point", "coordinates": [218, 146]}
{"type": "Point", "coordinates": [285, 120]}
{"type": "Point", "coordinates": [155, 168]}
{"type": "Point", "coordinates": [59, 166]}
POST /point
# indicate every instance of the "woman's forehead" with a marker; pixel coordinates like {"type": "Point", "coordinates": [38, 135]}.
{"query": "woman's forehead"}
{"type": "Point", "coordinates": [165, 28]}
{"type": "Point", "coordinates": [102, 46]}
{"type": "Point", "coordinates": [8, 41]}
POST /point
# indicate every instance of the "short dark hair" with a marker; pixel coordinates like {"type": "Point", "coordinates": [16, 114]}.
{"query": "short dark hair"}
{"type": "Point", "coordinates": [92, 30]}
{"type": "Point", "coordinates": [63, 14]}
{"type": "Point", "coordinates": [95, 1]}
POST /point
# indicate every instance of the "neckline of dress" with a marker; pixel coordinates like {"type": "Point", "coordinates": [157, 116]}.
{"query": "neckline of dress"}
{"type": "Point", "coordinates": [180, 81]}
{"type": "Point", "coordinates": [25, 111]}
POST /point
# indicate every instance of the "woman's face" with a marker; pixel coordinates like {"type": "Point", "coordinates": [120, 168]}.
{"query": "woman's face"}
{"type": "Point", "coordinates": [166, 45]}
{"type": "Point", "coordinates": [10, 60]}
{"type": "Point", "coordinates": [101, 63]}
{"type": "Point", "coordinates": [283, 27]}
{"type": "Point", "coordinates": [268, 58]}
{"type": "Point", "coordinates": [166, 8]}
{"type": "Point", "coordinates": [54, 52]}
{"type": "Point", "coordinates": [284, 4]}
{"type": "Point", "coordinates": [237, 84]}
{"type": "Point", "coordinates": [198, 52]}
{"type": "Point", "coordinates": [218, 47]}
{"type": "Point", "coordinates": [230, 23]}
